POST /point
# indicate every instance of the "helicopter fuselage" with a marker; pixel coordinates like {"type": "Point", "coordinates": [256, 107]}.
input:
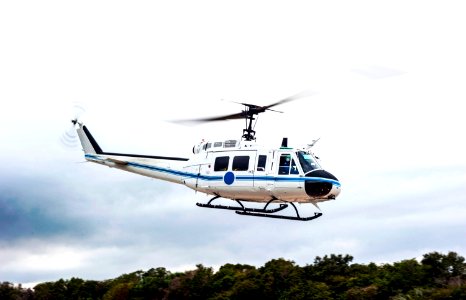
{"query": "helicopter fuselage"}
{"type": "Point", "coordinates": [238, 170]}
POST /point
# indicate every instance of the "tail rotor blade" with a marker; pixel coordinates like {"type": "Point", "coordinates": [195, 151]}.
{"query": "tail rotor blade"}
{"type": "Point", "coordinates": [77, 110]}
{"type": "Point", "coordinates": [69, 137]}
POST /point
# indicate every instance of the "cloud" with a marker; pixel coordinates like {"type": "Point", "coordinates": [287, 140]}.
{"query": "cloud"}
{"type": "Point", "coordinates": [377, 72]}
{"type": "Point", "coordinates": [35, 207]}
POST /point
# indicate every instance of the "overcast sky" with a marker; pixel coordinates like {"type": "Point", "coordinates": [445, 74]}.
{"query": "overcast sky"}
{"type": "Point", "coordinates": [388, 106]}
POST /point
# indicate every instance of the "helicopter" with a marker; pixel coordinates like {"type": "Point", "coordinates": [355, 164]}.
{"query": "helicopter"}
{"type": "Point", "coordinates": [241, 170]}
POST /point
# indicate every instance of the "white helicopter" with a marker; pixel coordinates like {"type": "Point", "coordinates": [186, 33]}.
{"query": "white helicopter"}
{"type": "Point", "coordinates": [240, 170]}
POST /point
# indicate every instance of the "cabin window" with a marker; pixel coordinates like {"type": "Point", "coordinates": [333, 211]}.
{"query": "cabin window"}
{"type": "Point", "coordinates": [262, 160]}
{"type": "Point", "coordinates": [208, 146]}
{"type": "Point", "coordinates": [240, 163]}
{"type": "Point", "coordinates": [218, 144]}
{"type": "Point", "coordinates": [284, 165]}
{"type": "Point", "coordinates": [221, 163]}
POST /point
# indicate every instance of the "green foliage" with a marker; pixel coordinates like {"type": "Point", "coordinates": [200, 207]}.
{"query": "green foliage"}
{"type": "Point", "coordinates": [278, 275]}
{"type": "Point", "coordinates": [440, 269]}
{"type": "Point", "coordinates": [436, 276]}
{"type": "Point", "coordinates": [236, 282]}
{"type": "Point", "coordinates": [73, 289]}
{"type": "Point", "coordinates": [191, 284]}
{"type": "Point", "coordinates": [401, 277]}
{"type": "Point", "coordinates": [333, 270]}
{"type": "Point", "coordinates": [8, 291]}
{"type": "Point", "coordinates": [152, 284]}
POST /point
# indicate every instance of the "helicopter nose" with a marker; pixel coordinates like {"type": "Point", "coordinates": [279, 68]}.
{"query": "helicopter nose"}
{"type": "Point", "coordinates": [322, 184]}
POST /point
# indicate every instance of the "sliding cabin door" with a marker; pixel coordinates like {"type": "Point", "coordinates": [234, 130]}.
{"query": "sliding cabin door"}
{"type": "Point", "coordinates": [234, 173]}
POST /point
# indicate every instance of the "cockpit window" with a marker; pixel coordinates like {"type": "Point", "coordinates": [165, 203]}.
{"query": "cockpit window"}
{"type": "Point", "coordinates": [307, 161]}
{"type": "Point", "coordinates": [294, 168]}
{"type": "Point", "coordinates": [284, 167]}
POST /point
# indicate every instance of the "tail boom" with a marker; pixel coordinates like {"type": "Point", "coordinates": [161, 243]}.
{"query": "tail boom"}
{"type": "Point", "coordinates": [159, 167]}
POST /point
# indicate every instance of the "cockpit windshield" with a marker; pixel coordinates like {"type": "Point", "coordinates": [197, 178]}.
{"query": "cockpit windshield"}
{"type": "Point", "coordinates": [307, 161]}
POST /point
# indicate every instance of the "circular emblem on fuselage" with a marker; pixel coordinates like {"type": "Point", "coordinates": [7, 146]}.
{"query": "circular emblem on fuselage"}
{"type": "Point", "coordinates": [229, 178]}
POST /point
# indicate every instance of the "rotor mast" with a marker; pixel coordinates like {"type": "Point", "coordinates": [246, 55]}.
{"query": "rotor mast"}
{"type": "Point", "coordinates": [248, 133]}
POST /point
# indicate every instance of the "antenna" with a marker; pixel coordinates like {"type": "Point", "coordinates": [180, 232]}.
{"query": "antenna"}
{"type": "Point", "coordinates": [285, 142]}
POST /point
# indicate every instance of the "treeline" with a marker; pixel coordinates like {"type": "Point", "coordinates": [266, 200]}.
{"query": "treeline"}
{"type": "Point", "coordinates": [436, 276]}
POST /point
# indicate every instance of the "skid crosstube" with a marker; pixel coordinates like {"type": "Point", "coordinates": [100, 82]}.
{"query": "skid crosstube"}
{"type": "Point", "coordinates": [243, 208]}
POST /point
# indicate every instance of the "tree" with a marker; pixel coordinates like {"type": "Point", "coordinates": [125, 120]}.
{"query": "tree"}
{"type": "Point", "coordinates": [119, 291]}
{"type": "Point", "coordinates": [191, 284]}
{"type": "Point", "coordinates": [277, 276]}
{"type": "Point", "coordinates": [236, 282]}
{"type": "Point", "coordinates": [152, 285]}
{"type": "Point", "coordinates": [401, 277]}
{"type": "Point", "coordinates": [8, 291]}
{"type": "Point", "coordinates": [51, 290]}
{"type": "Point", "coordinates": [362, 275]}
{"type": "Point", "coordinates": [362, 293]}
{"type": "Point", "coordinates": [440, 268]}
{"type": "Point", "coordinates": [333, 270]}
{"type": "Point", "coordinates": [308, 289]}
{"type": "Point", "coordinates": [330, 266]}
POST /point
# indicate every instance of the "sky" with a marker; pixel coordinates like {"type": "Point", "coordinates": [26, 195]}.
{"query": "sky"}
{"type": "Point", "coordinates": [387, 81]}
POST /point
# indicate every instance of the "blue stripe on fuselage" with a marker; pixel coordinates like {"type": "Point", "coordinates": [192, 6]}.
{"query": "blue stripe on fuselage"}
{"type": "Point", "coordinates": [281, 178]}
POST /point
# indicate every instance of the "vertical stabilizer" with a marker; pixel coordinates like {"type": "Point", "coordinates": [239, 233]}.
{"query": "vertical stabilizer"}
{"type": "Point", "coordinates": [87, 140]}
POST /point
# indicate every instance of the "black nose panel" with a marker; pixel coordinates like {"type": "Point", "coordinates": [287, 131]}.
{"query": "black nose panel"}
{"type": "Point", "coordinates": [319, 189]}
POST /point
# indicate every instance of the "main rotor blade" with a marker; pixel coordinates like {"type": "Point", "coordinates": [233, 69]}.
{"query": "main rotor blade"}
{"type": "Point", "coordinates": [289, 99]}
{"type": "Point", "coordinates": [251, 110]}
{"type": "Point", "coordinates": [278, 111]}
{"type": "Point", "coordinates": [222, 118]}
{"type": "Point", "coordinates": [213, 119]}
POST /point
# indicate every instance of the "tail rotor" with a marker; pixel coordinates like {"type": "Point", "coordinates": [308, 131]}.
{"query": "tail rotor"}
{"type": "Point", "coordinates": [70, 138]}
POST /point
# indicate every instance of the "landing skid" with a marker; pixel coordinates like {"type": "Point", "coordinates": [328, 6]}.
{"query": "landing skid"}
{"type": "Point", "coordinates": [261, 212]}
{"type": "Point", "coordinates": [297, 218]}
